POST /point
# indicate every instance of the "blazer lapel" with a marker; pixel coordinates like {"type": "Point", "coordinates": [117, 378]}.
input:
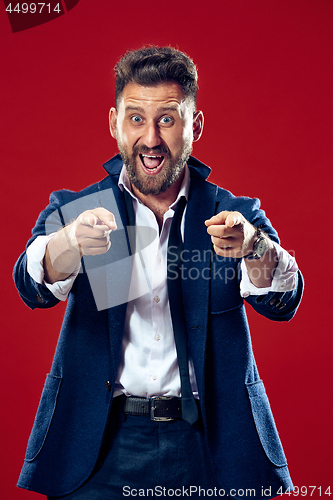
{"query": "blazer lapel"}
{"type": "Point", "coordinates": [118, 276]}
{"type": "Point", "coordinates": [197, 262]}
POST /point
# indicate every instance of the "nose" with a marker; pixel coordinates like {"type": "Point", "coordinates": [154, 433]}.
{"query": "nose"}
{"type": "Point", "coordinates": [151, 137]}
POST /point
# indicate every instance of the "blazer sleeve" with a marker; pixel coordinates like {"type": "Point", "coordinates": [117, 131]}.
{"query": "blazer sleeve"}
{"type": "Point", "coordinates": [276, 306]}
{"type": "Point", "coordinates": [32, 293]}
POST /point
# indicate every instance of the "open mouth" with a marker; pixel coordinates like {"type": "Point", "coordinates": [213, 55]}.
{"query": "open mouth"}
{"type": "Point", "coordinates": [151, 164]}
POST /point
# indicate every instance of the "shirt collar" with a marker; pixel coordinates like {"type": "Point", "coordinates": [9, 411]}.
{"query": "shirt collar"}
{"type": "Point", "coordinates": [124, 183]}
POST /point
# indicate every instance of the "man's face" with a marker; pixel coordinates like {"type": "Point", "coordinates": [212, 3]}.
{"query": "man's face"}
{"type": "Point", "coordinates": [155, 127]}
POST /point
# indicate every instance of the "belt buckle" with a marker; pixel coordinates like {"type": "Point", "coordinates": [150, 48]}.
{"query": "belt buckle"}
{"type": "Point", "coordinates": [153, 408]}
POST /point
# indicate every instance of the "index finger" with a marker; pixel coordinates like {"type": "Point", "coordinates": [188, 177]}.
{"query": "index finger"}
{"type": "Point", "coordinates": [233, 219]}
{"type": "Point", "coordinates": [218, 218]}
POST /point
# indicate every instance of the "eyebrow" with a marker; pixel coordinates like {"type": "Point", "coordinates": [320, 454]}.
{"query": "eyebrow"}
{"type": "Point", "coordinates": [134, 108]}
{"type": "Point", "coordinates": [139, 108]}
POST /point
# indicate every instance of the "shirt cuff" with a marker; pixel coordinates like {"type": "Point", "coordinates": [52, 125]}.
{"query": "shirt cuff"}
{"type": "Point", "coordinates": [284, 279]}
{"type": "Point", "coordinates": [35, 255]}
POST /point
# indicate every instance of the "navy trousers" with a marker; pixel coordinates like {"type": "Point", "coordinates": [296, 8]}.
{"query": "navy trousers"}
{"type": "Point", "coordinates": [149, 459]}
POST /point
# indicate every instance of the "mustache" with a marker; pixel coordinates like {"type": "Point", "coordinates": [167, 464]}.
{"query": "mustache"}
{"type": "Point", "coordinates": [156, 150]}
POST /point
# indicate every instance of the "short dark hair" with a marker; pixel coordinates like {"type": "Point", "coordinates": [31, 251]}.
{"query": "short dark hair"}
{"type": "Point", "coordinates": [153, 65]}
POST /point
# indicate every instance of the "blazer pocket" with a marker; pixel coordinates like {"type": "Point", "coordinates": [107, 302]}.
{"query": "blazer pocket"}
{"type": "Point", "coordinates": [43, 417]}
{"type": "Point", "coordinates": [264, 421]}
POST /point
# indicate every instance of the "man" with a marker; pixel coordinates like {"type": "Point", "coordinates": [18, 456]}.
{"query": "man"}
{"type": "Point", "coordinates": [154, 389]}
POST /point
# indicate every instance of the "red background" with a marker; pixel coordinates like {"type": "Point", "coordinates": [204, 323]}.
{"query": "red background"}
{"type": "Point", "coordinates": [265, 76]}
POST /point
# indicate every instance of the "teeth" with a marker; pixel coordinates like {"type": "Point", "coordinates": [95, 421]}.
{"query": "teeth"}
{"type": "Point", "coordinates": [150, 156]}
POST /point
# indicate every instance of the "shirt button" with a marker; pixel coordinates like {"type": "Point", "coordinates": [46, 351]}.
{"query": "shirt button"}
{"type": "Point", "coordinates": [157, 299]}
{"type": "Point", "coordinates": [157, 337]}
{"type": "Point", "coordinates": [154, 377]}
{"type": "Point", "coordinates": [151, 216]}
{"type": "Point", "coordinates": [155, 255]}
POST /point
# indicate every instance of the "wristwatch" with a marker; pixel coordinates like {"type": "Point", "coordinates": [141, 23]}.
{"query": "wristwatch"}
{"type": "Point", "coordinates": [259, 246]}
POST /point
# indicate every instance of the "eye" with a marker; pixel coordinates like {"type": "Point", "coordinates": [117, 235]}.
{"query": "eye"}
{"type": "Point", "coordinates": [136, 118]}
{"type": "Point", "coordinates": [165, 120]}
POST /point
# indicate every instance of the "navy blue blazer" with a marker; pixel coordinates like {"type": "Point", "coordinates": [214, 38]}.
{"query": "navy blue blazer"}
{"type": "Point", "coordinates": [241, 435]}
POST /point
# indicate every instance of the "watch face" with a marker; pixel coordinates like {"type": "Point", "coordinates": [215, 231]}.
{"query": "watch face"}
{"type": "Point", "coordinates": [260, 248]}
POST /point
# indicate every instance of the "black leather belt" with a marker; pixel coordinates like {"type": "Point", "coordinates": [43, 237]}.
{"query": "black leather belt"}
{"type": "Point", "coordinates": [160, 408]}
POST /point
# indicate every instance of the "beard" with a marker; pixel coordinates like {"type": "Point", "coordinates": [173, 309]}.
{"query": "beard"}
{"type": "Point", "coordinates": [161, 182]}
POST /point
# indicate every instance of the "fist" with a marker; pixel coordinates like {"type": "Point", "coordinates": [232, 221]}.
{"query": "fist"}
{"type": "Point", "coordinates": [232, 235]}
{"type": "Point", "coordinates": [90, 232]}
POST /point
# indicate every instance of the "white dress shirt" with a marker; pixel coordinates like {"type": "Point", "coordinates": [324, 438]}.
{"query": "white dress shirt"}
{"type": "Point", "coordinates": [148, 365]}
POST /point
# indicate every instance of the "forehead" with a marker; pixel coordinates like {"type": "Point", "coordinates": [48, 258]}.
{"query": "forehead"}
{"type": "Point", "coordinates": [163, 94]}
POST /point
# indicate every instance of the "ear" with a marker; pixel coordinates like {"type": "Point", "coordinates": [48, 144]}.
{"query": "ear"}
{"type": "Point", "coordinates": [113, 122]}
{"type": "Point", "coordinates": [198, 123]}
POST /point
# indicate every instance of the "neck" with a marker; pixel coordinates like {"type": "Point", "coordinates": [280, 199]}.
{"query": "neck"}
{"type": "Point", "coordinates": [160, 203]}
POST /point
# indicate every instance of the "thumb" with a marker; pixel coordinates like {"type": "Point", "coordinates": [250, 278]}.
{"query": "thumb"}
{"type": "Point", "coordinates": [89, 219]}
{"type": "Point", "coordinates": [108, 220]}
